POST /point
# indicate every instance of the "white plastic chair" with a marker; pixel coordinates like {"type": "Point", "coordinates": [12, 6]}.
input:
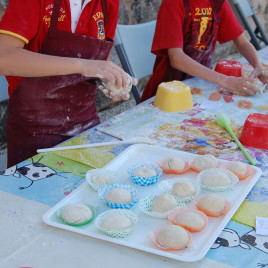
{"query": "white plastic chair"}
{"type": "Point", "coordinates": [3, 88]}
{"type": "Point", "coordinates": [245, 11]}
{"type": "Point", "coordinates": [133, 46]}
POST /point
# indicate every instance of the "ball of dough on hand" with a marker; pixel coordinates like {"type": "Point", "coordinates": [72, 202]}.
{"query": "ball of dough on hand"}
{"type": "Point", "coordinates": [116, 222]}
{"type": "Point", "coordinates": [76, 213]}
{"type": "Point", "coordinates": [203, 162]}
{"type": "Point", "coordinates": [144, 172]}
{"type": "Point", "coordinates": [215, 179]}
{"type": "Point", "coordinates": [118, 195]}
{"type": "Point", "coordinates": [191, 219]}
{"type": "Point", "coordinates": [213, 203]}
{"type": "Point", "coordinates": [174, 163]}
{"type": "Point", "coordinates": [172, 236]}
{"type": "Point", "coordinates": [163, 203]}
{"type": "Point", "coordinates": [183, 189]}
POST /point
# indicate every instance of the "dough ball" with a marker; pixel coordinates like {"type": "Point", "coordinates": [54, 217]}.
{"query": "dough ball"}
{"type": "Point", "coordinates": [191, 219]}
{"type": "Point", "coordinates": [213, 203]}
{"type": "Point", "coordinates": [163, 203]}
{"type": "Point", "coordinates": [101, 180]}
{"type": "Point", "coordinates": [203, 162]}
{"type": "Point", "coordinates": [144, 172]}
{"type": "Point", "coordinates": [118, 195]}
{"type": "Point", "coordinates": [116, 222]}
{"type": "Point", "coordinates": [174, 163]}
{"type": "Point", "coordinates": [76, 213]}
{"type": "Point", "coordinates": [172, 236]}
{"type": "Point", "coordinates": [183, 189]}
{"type": "Point", "coordinates": [215, 179]}
{"type": "Point", "coordinates": [238, 167]}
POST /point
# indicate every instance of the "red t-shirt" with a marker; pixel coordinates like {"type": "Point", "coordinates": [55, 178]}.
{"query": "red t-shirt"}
{"type": "Point", "coordinates": [29, 20]}
{"type": "Point", "coordinates": [169, 28]}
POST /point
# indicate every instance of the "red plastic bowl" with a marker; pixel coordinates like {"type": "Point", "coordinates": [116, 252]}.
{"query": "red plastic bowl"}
{"type": "Point", "coordinates": [255, 131]}
{"type": "Point", "coordinates": [230, 68]}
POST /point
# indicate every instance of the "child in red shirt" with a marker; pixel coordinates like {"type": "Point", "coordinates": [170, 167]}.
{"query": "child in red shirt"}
{"type": "Point", "coordinates": [60, 48]}
{"type": "Point", "coordinates": [185, 38]}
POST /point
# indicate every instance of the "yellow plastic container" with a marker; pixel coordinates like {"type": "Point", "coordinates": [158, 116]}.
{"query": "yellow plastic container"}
{"type": "Point", "coordinates": [173, 96]}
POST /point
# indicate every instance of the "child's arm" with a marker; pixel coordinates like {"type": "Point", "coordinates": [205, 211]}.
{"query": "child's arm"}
{"type": "Point", "coordinates": [238, 85]}
{"type": "Point", "coordinates": [17, 61]}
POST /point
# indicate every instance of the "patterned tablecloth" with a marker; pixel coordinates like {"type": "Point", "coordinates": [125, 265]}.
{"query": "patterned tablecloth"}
{"type": "Point", "coordinates": [31, 187]}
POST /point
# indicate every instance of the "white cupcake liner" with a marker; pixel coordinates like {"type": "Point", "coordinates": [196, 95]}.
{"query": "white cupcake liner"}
{"type": "Point", "coordinates": [222, 188]}
{"type": "Point", "coordinates": [101, 172]}
{"type": "Point", "coordinates": [145, 181]}
{"type": "Point", "coordinates": [117, 233]}
{"type": "Point", "coordinates": [133, 191]}
{"type": "Point", "coordinates": [168, 184]}
{"type": "Point", "coordinates": [93, 209]}
{"type": "Point", "coordinates": [146, 203]}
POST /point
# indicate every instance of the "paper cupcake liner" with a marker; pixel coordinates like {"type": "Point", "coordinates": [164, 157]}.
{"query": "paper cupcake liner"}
{"type": "Point", "coordinates": [173, 215]}
{"type": "Point", "coordinates": [227, 207]}
{"type": "Point", "coordinates": [117, 233]}
{"type": "Point", "coordinates": [173, 171]}
{"type": "Point", "coordinates": [250, 170]}
{"type": "Point", "coordinates": [93, 209]}
{"type": "Point", "coordinates": [146, 203]}
{"type": "Point", "coordinates": [222, 188]}
{"type": "Point", "coordinates": [145, 181]}
{"type": "Point", "coordinates": [101, 172]}
{"type": "Point", "coordinates": [168, 184]}
{"type": "Point", "coordinates": [154, 234]}
{"type": "Point", "coordinates": [134, 194]}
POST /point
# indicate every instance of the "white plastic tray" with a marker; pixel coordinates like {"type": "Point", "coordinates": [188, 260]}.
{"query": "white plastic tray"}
{"type": "Point", "coordinates": [140, 238]}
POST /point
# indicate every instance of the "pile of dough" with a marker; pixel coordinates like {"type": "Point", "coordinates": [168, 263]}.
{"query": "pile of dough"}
{"type": "Point", "coordinates": [191, 219]}
{"type": "Point", "coordinates": [173, 236]}
{"type": "Point", "coordinates": [212, 203]}
{"type": "Point", "coordinates": [173, 163]}
{"type": "Point", "coordinates": [118, 195]}
{"type": "Point", "coordinates": [76, 213]}
{"type": "Point", "coordinates": [215, 179]}
{"type": "Point", "coordinates": [101, 179]}
{"type": "Point", "coordinates": [183, 189]}
{"type": "Point", "coordinates": [203, 162]}
{"type": "Point", "coordinates": [144, 172]}
{"type": "Point", "coordinates": [116, 222]}
{"type": "Point", "coordinates": [163, 203]}
{"type": "Point", "coordinates": [238, 167]}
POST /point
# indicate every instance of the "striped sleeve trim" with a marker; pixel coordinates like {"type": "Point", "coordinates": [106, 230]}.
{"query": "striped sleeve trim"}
{"type": "Point", "coordinates": [15, 35]}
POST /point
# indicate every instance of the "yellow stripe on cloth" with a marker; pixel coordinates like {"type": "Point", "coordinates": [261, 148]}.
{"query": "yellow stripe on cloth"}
{"type": "Point", "coordinates": [248, 211]}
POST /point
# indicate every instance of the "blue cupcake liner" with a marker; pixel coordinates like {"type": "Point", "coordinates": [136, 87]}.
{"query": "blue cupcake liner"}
{"type": "Point", "coordinates": [134, 194]}
{"type": "Point", "coordinates": [145, 181]}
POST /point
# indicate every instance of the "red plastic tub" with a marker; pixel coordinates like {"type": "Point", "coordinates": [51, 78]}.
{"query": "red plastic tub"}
{"type": "Point", "coordinates": [255, 131]}
{"type": "Point", "coordinates": [230, 68]}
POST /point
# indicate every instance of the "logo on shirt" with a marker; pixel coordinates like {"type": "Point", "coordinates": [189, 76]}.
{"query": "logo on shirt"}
{"type": "Point", "coordinates": [49, 11]}
{"type": "Point", "coordinates": [98, 17]}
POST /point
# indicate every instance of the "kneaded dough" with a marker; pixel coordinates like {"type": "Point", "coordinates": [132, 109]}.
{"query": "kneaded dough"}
{"type": "Point", "coordinates": [76, 213]}
{"type": "Point", "coordinates": [213, 203]}
{"type": "Point", "coordinates": [163, 203]}
{"type": "Point", "coordinates": [183, 189]}
{"type": "Point", "coordinates": [238, 167]}
{"type": "Point", "coordinates": [203, 162]}
{"type": "Point", "coordinates": [116, 222]}
{"type": "Point", "coordinates": [101, 180]}
{"type": "Point", "coordinates": [174, 163]}
{"type": "Point", "coordinates": [215, 179]}
{"type": "Point", "coordinates": [118, 195]}
{"type": "Point", "coordinates": [144, 172]}
{"type": "Point", "coordinates": [191, 219]}
{"type": "Point", "coordinates": [172, 236]}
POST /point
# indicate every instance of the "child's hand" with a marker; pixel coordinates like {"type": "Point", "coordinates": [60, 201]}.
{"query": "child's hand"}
{"type": "Point", "coordinates": [261, 74]}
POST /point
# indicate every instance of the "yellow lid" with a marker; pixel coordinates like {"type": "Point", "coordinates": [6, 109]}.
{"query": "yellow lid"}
{"type": "Point", "coordinates": [173, 96]}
